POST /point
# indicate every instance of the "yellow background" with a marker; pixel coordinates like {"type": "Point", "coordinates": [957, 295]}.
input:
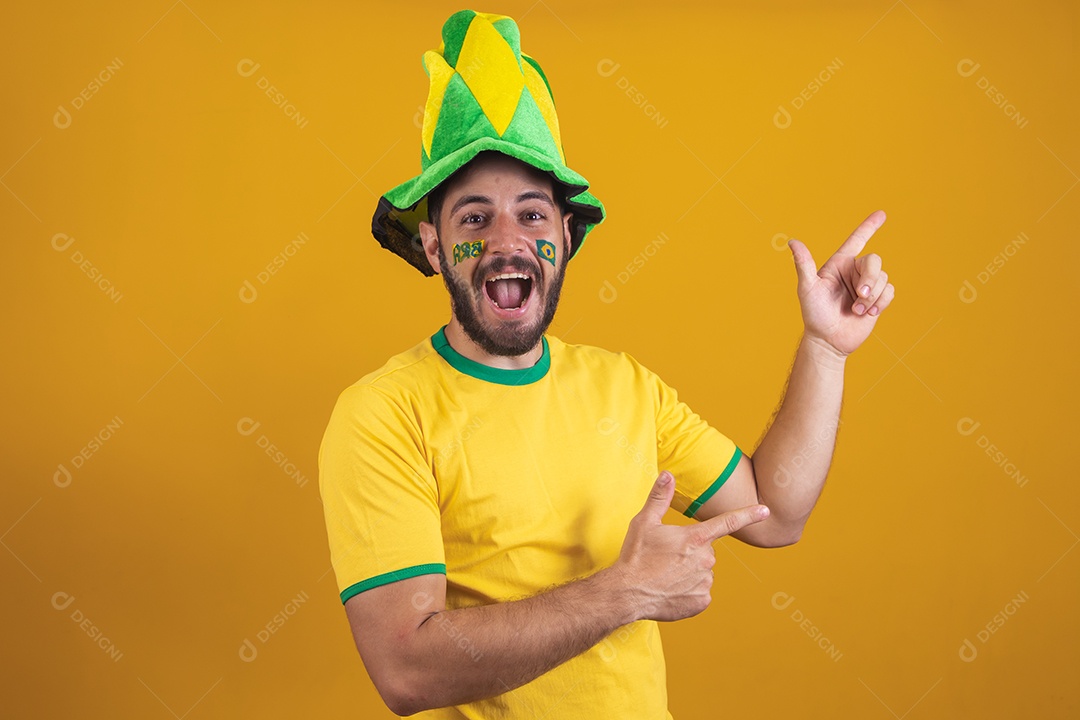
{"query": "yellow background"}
{"type": "Point", "coordinates": [179, 180]}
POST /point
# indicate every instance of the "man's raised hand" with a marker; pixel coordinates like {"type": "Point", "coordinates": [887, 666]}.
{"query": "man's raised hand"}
{"type": "Point", "coordinates": [841, 302]}
{"type": "Point", "coordinates": [668, 568]}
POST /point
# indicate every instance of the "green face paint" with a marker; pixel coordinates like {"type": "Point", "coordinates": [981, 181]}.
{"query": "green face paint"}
{"type": "Point", "coordinates": [465, 250]}
{"type": "Point", "coordinates": [546, 250]}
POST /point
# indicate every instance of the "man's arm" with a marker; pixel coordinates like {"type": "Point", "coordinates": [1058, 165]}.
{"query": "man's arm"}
{"type": "Point", "coordinates": [840, 305]}
{"type": "Point", "coordinates": [787, 471]}
{"type": "Point", "coordinates": [420, 655]}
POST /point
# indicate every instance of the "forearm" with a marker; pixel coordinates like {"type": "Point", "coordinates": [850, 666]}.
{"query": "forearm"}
{"type": "Point", "coordinates": [459, 656]}
{"type": "Point", "coordinates": [793, 458]}
{"type": "Point", "coordinates": [419, 659]}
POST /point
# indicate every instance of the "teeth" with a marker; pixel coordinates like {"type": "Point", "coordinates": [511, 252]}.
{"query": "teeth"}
{"type": "Point", "coordinates": [509, 276]}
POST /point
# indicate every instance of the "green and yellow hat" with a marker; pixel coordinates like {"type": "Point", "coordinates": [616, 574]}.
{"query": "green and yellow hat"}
{"type": "Point", "coordinates": [485, 94]}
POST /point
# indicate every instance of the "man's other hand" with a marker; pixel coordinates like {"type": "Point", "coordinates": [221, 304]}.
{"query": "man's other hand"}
{"type": "Point", "coordinates": [841, 302]}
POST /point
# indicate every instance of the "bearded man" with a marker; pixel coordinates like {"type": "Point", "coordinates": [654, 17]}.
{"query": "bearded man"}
{"type": "Point", "coordinates": [494, 496]}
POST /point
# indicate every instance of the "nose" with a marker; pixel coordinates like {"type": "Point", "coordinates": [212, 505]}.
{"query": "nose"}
{"type": "Point", "coordinates": [505, 236]}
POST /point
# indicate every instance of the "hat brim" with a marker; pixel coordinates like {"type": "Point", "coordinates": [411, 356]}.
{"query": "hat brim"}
{"type": "Point", "coordinates": [396, 223]}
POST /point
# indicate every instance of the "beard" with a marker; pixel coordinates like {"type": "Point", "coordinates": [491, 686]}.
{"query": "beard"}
{"type": "Point", "coordinates": [506, 339]}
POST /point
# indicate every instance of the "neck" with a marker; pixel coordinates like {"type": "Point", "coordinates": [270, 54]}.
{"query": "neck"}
{"type": "Point", "coordinates": [455, 335]}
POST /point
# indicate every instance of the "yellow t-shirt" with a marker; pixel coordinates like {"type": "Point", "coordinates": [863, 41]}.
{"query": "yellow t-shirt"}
{"type": "Point", "coordinates": [510, 482]}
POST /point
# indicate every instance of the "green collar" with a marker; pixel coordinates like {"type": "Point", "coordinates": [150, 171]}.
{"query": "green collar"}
{"type": "Point", "coordinates": [499, 376]}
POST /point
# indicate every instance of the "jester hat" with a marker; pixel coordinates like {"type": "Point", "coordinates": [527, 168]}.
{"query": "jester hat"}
{"type": "Point", "coordinates": [485, 94]}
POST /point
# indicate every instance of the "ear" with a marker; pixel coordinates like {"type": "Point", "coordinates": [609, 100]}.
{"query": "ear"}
{"type": "Point", "coordinates": [430, 239]}
{"type": "Point", "coordinates": [568, 220]}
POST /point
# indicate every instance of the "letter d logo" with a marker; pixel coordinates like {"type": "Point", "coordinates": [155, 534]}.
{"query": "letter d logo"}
{"type": "Point", "coordinates": [968, 651]}
{"type": "Point", "coordinates": [62, 476]}
{"type": "Point", "coordinates": [606, 426]}
{"type": "Point", "coordinates": [247, 67]}
{"type": "Point", "coordinates": [968, 293]}
{"type": "Point", "coordinates": [782, 118]}
{"type": "Point", "coordinates": [61, 242]}
{"type": "Point", "coordinates": [248, 651]}
{"type": "Point", "coordinates": [248, 293]}
{"type": "Point", "coordinates": [967, 67]}
{"type": "Point", "coordinates": [608, 293]}
{"type": "Point", "coordinates": [781, 600]}
{"type": "Point", "coordinates": [62, 600]}
{"type": "Point", "coordinates": [62, 118]}
{"type": "Point", "coordinates": [607, 67]}
{"type": "Point", "coordinates": [966, 426]}
{"type": "Point", "coordinates": [246, 426]}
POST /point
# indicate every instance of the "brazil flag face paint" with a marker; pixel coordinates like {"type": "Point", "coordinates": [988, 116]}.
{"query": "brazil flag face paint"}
{"type": "Point", "coordinates": [546, 250]}
{"type": "Point", "coordinates": [468, 250]}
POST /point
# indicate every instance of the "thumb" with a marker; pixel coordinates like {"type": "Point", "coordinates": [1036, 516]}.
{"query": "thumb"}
{"type": "Point", "coordinates": [804, 264]}
{"type": "Point", "coordinates": [659, 500]}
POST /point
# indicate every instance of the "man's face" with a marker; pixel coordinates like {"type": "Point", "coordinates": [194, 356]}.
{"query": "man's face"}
{"type": "Point", "coordinates": [502, 246]}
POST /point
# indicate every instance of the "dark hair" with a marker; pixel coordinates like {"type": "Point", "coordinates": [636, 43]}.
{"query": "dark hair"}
{"type": "Point", "coordinates": [435, 202]}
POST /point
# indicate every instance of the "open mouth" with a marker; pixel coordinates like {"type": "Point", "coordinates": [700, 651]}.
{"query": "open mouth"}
{"type": "Point", "coordinates": [508, 291]}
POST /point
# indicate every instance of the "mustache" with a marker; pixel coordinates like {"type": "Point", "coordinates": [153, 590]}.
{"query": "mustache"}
{"type": "Point", "coordinates": [503, 263]}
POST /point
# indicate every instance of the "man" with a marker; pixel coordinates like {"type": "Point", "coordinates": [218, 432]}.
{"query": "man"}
{"type": "Point", "coordinates": [492, 495]}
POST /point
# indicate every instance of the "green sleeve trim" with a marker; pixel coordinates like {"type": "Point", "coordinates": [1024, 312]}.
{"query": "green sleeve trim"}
{"type": "Point", "coordinates": [717, 484]}
{"type": "Point", "coordinates": [391, 577]}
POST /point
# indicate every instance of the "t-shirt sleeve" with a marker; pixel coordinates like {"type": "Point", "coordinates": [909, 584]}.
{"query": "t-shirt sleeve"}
{"type": "Point", "coordinates": [699, 456]}
{"type": "Point", "coordinates": [379, 496]}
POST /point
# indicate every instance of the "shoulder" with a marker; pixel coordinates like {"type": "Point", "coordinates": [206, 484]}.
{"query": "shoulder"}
{"type": "Point", "coordinates": [592, 359]}
{"type": "Point", "coordinates": [400, 380]}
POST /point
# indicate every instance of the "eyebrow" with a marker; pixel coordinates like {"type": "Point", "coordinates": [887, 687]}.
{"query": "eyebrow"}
{"type": "Point", "coordinates": [536, 195]}
{"type": "Point", "coordinates": [467, 199]}
{"type": "Point", "coordinates": [485, 200]}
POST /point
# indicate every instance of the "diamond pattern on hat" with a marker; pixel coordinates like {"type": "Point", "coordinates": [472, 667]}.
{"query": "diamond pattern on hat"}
{"type": "Point", "coordinates": [541, 95]}
{"type": "Point", "coordinates": [453, 33]}
{"type": "Point", "coordinates": [506, 27]}
{"type": "Point", "coordinates": [461, 121]}
{"type": "Point", "coordinates": [492, 71]}
{"type": "Point", "coordinates": [439, 73]}
{"type": "Point", "coordinates": [528, 115]}
{"type": "Point", "coordinates": [477, 102]}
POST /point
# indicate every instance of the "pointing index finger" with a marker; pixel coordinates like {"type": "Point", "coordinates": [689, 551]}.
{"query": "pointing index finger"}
{"type": "Point", "coordinates": [858, 239]}
{"type": "Point", "coordinates": [731, 522]}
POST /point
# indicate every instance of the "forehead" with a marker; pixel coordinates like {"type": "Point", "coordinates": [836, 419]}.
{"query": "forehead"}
{"type": "Point", "coordinates": [491, 171]}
